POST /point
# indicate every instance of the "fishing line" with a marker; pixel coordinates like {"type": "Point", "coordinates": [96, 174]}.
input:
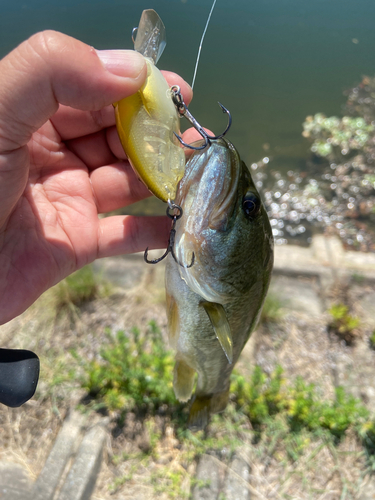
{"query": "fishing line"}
{"type": "Point", "coordinates": [200, 46]}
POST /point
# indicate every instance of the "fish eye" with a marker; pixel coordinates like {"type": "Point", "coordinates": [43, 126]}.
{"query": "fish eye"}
{"type": "Point", "coordinates": [251, 205]}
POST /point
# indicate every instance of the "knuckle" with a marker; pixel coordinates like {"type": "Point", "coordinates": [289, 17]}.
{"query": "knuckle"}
{"type": "Point", "coordinates": [134, 234]}
{"type": "Point", "coordinates": [44, 42]}
{"type": "Point", "coordinates": [97, 118]}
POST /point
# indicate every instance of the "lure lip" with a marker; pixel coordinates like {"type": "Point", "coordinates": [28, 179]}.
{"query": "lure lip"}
{"type": "Point", "coordinates": [150, 36]}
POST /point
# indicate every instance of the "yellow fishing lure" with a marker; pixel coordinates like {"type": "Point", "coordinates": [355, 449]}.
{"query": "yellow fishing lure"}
{"type": "Point", "coordinates": [148, 120]}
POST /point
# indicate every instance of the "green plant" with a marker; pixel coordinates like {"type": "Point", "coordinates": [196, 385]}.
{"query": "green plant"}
{"type": "Point", "coordinates": [333, 137]}
{"type": "Point", "coordinates": [267, 396]}
{"type": "Point", "coordinates": [79, 287]}
{"type": "Point", "coordinates": [342, 323]}
{"type": "Point", "coordinates": [272, 309]}
{"type": "Point", "coordinates": [361, 99]}
{"type": "Point", "coordinates": [358, 278]}
{"type": "Point", "coordinates": [133, 371]}
{"type": "Point", "coordinates": [372, 340]}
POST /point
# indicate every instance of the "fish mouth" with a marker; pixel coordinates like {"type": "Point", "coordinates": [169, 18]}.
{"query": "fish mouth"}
{"type": "Point", "coordinates": [208, 191]}
{"type": "Point", "coordinates": [208, 195]}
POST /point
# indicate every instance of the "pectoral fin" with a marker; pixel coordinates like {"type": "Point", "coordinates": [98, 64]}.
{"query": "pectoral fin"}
{"type": "Point", "coordinates": [220, 324]}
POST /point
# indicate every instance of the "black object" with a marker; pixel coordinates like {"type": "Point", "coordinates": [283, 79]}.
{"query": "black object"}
{"type": "Point", "coordinates": [19, 374]}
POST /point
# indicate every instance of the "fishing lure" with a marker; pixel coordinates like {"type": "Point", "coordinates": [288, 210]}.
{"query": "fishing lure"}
{"type": "Point", "coordinates": [148, 122]}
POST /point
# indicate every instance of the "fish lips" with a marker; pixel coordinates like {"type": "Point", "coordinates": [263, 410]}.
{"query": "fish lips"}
{"type": "Point", "coordinates": [208, 192]}
{"type": "Point", "coordinates": [208, 195]}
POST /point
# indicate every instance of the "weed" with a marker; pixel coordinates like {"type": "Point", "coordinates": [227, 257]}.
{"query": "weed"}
{"type": "Point", "coordinates": [343, 324]}
{"type": "Point", "coordinates": [167, 480]}
{"type": "Point", "coordinates": [264, 397]}
{"type": "Point", "coordinates": [272, 309]}
{"type": "Point", "coordinates": [132, 372]}
{"type": "Point", "coordinates": [358, 278]}
{"type": "Point", "coordinates": [79, 287]}
{"type": "Point", "coordinates": [372, 340]}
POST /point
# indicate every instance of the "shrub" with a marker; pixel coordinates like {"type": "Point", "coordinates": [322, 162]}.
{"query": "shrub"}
{"type": "Point", "coordinates": [133, 371]}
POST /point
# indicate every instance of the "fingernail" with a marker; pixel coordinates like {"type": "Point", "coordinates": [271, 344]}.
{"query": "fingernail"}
{"type": "Point", "coordinates": [126, 63]}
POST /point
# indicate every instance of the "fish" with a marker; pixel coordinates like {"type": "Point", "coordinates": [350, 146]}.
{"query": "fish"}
{"type": "Point", "coordinates": [215, 304]}
{"type": "Point", "coordinates": [148, 122]}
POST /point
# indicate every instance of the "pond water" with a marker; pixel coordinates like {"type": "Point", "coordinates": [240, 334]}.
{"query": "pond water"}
{"type": "Point", "coordinates": [270, 62]}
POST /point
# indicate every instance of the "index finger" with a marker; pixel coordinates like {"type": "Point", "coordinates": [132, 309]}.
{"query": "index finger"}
{"type": "Point", "coordinates": [72, 123]}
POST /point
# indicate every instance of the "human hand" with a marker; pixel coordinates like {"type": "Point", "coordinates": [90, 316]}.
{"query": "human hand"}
{"type": "Point", "coordinates": [62, 164]}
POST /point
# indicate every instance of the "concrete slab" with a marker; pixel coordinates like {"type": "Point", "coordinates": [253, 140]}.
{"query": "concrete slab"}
{"type": "Point", "coordinates": [80, 481]}
{"type": "Point", "coordinates": [125, 271]}
{"type": "Point", "coordinates": [298, 294]}
{"type": "Point", "coordinates": [235, 487]}
{"type": "Point", "coordinates": [210, 478]}
{"type": "Point", "coordinates": [65, 445]}
{"type": "Point", "coordinates": [15, 483]}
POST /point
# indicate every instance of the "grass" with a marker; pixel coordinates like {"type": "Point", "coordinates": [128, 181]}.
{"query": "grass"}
{"type": "Point", "coordinates": [280, 420]}
{"type": "Point", "coordinates": [272, 309]}
{"type": "Point", "coordinates": [372, 340]}
{"type": "Point", "coordinates": [79, 287]}
{"type": "Point", "coordinates": [134, 374]}
{"type": "Point", "coordinates": [265, 397]}
{"type": "Point", "coordinates": [343, 324]}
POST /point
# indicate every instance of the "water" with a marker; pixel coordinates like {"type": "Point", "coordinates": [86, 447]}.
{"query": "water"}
{"type": "Point", "coordinates": [270, 62]}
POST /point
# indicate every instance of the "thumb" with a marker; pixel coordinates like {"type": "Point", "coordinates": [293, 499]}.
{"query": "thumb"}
{"type": "Point", "coordinates": [52, 68]}
{"type": "Point", "coordinates": [48, 69]}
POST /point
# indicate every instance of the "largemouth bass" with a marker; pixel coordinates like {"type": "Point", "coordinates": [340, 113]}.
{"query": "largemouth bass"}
{"type": "Point", "coordinates": [214, 305]}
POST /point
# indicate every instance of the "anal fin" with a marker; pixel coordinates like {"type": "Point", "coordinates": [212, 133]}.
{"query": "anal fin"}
{"type": "Point", "coordinates": [220, 324]}
{"type": "Point", "coordinates": [183, 381]}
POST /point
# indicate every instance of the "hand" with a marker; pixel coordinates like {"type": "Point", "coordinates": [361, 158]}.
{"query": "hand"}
{"type": "Point", "coordinates": [61, 164]}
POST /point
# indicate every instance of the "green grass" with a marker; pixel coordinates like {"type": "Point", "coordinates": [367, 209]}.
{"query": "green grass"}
{"type": "Point", "coordinates": [265, 397]}
{"type": "Point", "coordinates": [79, 287]}
{"type": "Point", "coordinates": [133, 372]}
{"type": "Point", "coordinates": [272, 309]}
{"type": "Point", "coordinates": [372, 340]}
{"type": "Point", "coordinates": [342, 323]}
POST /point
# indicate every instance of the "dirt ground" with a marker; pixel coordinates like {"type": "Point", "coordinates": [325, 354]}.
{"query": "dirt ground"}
{"type": "Point", "coordinates": [134, 465]}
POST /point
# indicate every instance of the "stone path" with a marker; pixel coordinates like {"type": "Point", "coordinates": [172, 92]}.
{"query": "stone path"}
{"type": "Point", "coordinates": [70, 470]}
{"type": "Point", "coordinates": [303, 277]}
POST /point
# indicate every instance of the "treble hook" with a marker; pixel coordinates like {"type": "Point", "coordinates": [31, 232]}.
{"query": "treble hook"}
{"type": "Point", "coordinates": [172, 235]}
{"type": "Point", "coordinates": [183, 110]}
{"type": "Point", "coordinates": [134, 34]}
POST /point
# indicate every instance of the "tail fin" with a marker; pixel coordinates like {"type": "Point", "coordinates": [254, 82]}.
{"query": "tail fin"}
{"type": "Point", "coordinates": [204, 406]}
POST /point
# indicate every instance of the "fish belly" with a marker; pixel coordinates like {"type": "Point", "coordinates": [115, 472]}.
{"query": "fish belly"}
{"type": "Point", "coordinates": [198, 351]}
